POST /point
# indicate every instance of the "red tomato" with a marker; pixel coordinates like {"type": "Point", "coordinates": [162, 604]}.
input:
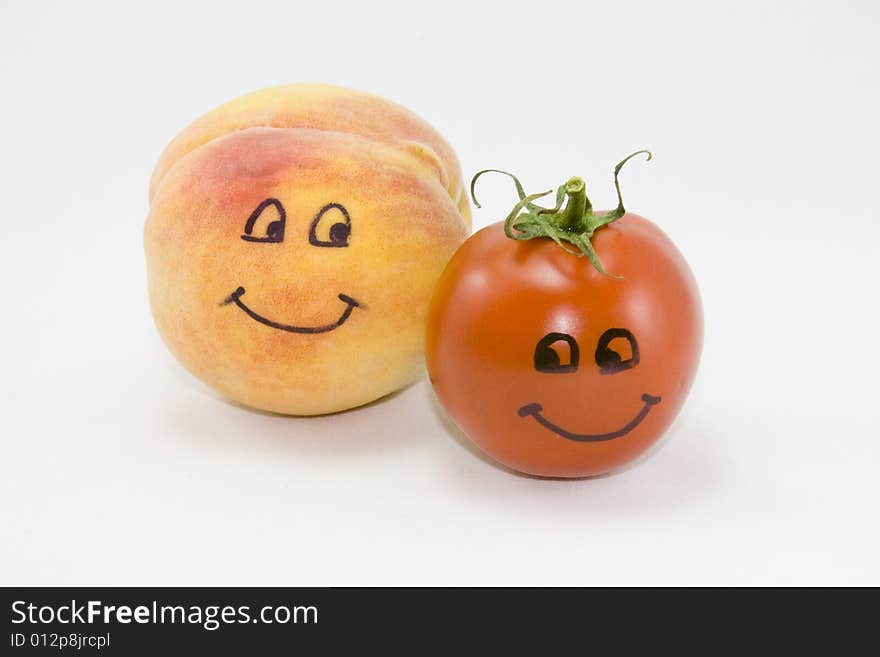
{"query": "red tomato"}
{"type": "Point", "coordinates": [554, 368]}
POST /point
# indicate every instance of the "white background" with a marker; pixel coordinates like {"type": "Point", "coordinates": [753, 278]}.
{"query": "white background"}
{"type": "Point", "coordinates": [119, 468]}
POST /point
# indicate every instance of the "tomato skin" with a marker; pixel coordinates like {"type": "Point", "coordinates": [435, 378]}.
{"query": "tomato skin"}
{"type": "Point", "coordinates": [498, 297]}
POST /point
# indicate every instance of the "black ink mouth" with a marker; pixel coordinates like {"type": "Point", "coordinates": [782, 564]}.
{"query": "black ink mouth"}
{"type": "Point", "coordinates": [350, 304]}
{"type": "Point", "coordinates": [535, 411]}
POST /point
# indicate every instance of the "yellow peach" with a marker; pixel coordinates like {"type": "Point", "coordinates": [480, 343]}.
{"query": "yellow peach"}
{"type": "Point", "coordinates": [293, 242]}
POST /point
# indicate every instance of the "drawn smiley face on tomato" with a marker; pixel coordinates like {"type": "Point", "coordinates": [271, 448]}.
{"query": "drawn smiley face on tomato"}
{"type": "Point", "coordinates": [555, 369]}
{"type": "Point", "coordinates": [608, 360]}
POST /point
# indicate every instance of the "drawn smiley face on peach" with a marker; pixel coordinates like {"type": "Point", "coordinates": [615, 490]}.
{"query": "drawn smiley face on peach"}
{"type": "Point", "coordinates": [291, 269]}
{"type": "Point", "coordinates": [339, 221]}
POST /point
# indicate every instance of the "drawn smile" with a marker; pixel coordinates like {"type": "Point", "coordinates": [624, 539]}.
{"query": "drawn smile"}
{"type": "Point", "coordinates": [535, 411]}
{"type": "Point", "coordinates": [350, 304]}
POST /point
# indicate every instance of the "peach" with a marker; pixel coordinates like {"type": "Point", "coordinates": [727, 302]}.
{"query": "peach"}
{"type": "Point", "coordinates": [293, 242]}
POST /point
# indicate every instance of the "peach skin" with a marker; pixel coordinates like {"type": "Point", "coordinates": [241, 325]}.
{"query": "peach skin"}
{"type": "Point", "coordinates": [293, 242]}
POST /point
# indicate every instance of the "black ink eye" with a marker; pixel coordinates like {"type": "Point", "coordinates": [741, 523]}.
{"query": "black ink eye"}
{"type": "Point", "coordinates": [266, 212]}
{"type": "Point", "coordinates": [609, 360]}
{"type": "Point", "coordinates": [333, 221]}
{"type": "Point", "coordinates": [547, 358]}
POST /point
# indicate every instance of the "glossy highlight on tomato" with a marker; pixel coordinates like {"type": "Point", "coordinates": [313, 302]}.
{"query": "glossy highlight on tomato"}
{"type": "Point", "coordinates": [554, 368]}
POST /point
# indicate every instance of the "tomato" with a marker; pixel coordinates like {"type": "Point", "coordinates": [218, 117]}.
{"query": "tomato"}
{"type": "Point", "coordinates": [558, 365]}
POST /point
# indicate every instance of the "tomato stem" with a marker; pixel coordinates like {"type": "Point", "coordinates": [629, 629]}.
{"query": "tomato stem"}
{"type": "Point", "coordinates": [572, 217]}
{"type": "Point", "coordinates": [573, 224]}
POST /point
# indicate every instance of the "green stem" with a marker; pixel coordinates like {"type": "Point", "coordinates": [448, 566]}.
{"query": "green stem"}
{"type": "Point", "coordinates": [575, 223]}
{"type": "Point", "coordinates": [572, 217]}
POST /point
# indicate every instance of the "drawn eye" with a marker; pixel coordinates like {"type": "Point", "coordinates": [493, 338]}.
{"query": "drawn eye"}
{"type": "Point", "coordinates": [557, 353]}
{"type": "Point", "coordinates": [331, 226]}
{"type": "Point", "coordinates": [266, 223]}
{"type": "Point", "coordinates": [617, 351]}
